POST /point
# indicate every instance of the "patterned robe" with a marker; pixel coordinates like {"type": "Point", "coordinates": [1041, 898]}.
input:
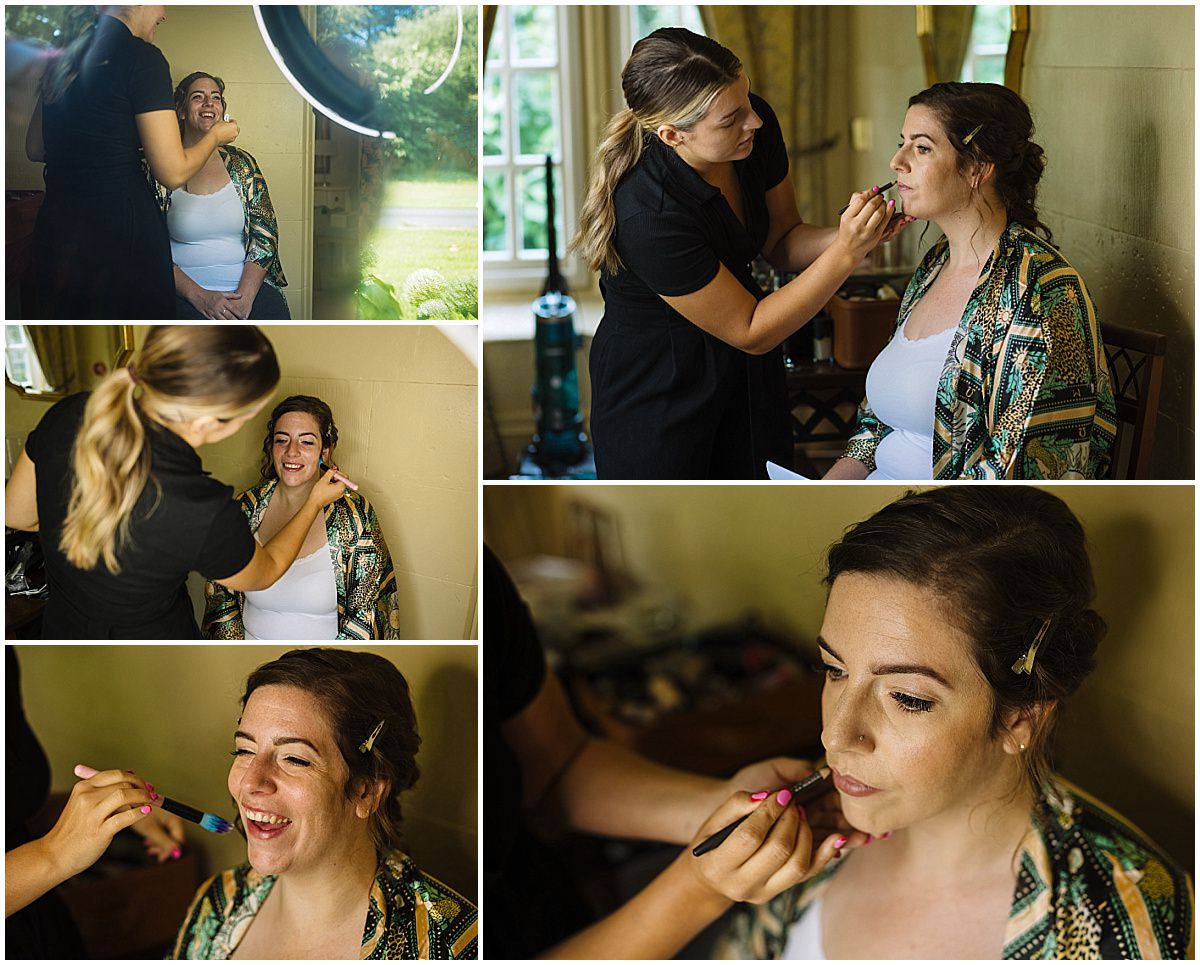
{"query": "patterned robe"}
{"type": "Point", "coordinates": [1089, 886]}
{"type": "Point", "coordinates": [368, 607]}
{"type": "Point", "coordinates": [260, 233]}
{"type": "Point", "coordinates": [1025, 392]}
{"type": "Point", "coordinates": [409, 915]}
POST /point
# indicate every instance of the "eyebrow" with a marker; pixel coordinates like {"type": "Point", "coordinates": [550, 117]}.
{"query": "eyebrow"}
{"type": "Point", "coordinates": [280, 741]}
{"type": "Point", "coordinates": [280, 432]}
{"type": "Point", "coordinates": [892, 668]}
{"type": "Point", "coordinates": [913, 137]}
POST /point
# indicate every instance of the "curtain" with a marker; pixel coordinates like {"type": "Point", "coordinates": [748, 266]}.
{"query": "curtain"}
{"type": "Point", "coordinates": [55, 348]}
{"type": "Point", "coordinates": [951, 38]}
{"type": "Point", "coordinates": [489, 21]}
{"type": "Point", "coordinates": [785, 53]}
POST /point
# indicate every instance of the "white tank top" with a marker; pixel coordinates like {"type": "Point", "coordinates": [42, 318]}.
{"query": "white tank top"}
{"type": "Point", "coordinates": [804, 937]}
{"type": "Point", "coordinates": [902, 391]}
{"type": "Point", "coordinates": [206, 237]}
{"type": "Point", "coordinates": [301, 605]}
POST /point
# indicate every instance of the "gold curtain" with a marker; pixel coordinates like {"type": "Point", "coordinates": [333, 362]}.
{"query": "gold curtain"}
{"type": "Point", "coordinates": [948, 37]}
{"type": "Point", "coordinates": [785, 53]}
{"type": "Point", "coordinates": [489, 21]}
{"type": "Point", "coordinates": [55, 348]}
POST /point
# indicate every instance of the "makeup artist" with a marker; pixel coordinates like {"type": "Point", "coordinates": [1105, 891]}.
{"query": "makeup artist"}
{"type": "Point", "coordinates": [541, 770]}
{"type": "Point", "coordinates": [37, 925]}
{"type": "Point", "coordinates": [100, 247]}
{"type": "Point", "coordinates": [112, 482]}
{"type": "Point", "coordinates": [688, 186]}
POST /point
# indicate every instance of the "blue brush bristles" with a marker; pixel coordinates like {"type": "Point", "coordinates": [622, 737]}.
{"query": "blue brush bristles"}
{"type": "Point", "coordinates": [217, 825]}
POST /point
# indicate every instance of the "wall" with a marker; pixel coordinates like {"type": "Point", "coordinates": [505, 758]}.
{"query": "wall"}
{"type": "Point", "coordinates": [405, 401]}
{"type": "Point", "coordinates": [276, 123]}
{"type": "Point", "coordinates": [1111, 90]}
{"type": "Point", "coordinates": [169, 713]}
{"type": "Point", "coordinates": [1128, 734]}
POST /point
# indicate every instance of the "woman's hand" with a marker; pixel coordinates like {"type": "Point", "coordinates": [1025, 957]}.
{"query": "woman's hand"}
{"type": "Point", "coordinates": [769, 852]}
{"type": "Point", "coordinates": [97, 809]}
{"type": "Point", "coordinates": [219, 306]}
{"type": "Point", "coordinates": [226, 131]}
{"type": "Point", "coordinates": [897, 224]}
{"type": "Point", "coordinates": [162, 834]}
{"type": "Point", "coordinates": [863, 223]}
{"type": "Point", "coordinates": [328, 488]}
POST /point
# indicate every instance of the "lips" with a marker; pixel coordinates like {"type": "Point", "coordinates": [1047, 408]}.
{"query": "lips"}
{"type": "Point", "coordinates": [264, 825]}
{"type": "Point", "coordinates": [848, 784]}
{"type": "Point", "coordinates": [292, 466]}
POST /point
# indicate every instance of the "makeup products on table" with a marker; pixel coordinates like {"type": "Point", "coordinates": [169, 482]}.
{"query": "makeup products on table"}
{"type": "Point", "coordinates": [878, 190]}
{"type": "Point", "coordinates": [338, 476]}
{"type": "Point", "coordinates": [208, 821]}
{"type": "Point", "coordinates": [805, 790]}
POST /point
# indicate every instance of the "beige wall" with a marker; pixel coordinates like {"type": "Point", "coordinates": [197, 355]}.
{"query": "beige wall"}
{"type": "Point", "coordinates": [276, 123]}
{"type": "Point", "coordinates": [169, 713]}
{"type": "Point", "coordinates": [405, 401]}
{"type": "Point", "coordinates": [1127, 736]}
{"type": "Point", "coordinates": [1111, 90]}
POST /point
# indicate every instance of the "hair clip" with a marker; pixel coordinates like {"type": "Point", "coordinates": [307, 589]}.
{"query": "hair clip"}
{"type": "Point", "coordinates": [967, 139]}
{"type": "Point", "coordinates": [369, 743]}
{"type": "Point", "coordinates": [1024, 663]}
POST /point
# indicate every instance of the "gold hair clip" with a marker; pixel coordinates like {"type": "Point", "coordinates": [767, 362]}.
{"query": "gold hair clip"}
{"type": "Point", "coordinates": [1024, 663]}
{"type": "Point", "coordinates": [369, 743]}
{"type": "Point", "coordinates": [967, 139]}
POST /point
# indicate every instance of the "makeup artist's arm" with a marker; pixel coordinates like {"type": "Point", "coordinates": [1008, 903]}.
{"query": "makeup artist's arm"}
{"type": "Point", "coordinates": [97, 809]}
{"type": "Point", "coordinates": [271, 561]}
{"type": "Point", "coordinates": [20, 496]}
{"type": "Point", "coordinates": [599, 787]}
{"type": "Point", "coordinates": [770, 851]}
{"type": "Point", "coordinates": [171, 163]}
{"type": "Point", "coordinates": [35, 146]}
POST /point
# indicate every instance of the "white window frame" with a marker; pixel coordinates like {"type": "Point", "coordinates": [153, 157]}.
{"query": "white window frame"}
{"type": "Point", "coordinates": [37, 378]}
{"type": "Point", "coordinates": [523, 272]}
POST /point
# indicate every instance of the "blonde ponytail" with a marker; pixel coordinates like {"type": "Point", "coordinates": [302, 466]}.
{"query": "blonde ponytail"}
{"type": "Point", "coordinates": [620, 149]}
{"type": "Point", "coordinates": [112, 463]}
{"type": "Point", "coordinates": [184, 373]}
{"type": "Point", "coordinates": [671, 78]}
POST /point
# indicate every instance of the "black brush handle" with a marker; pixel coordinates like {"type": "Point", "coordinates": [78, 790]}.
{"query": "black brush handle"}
{"type": "Point", "coordinates": [887, 186]}
{"type": "Point", "coordinates": [716, 840]}
{"type": "Point", "coordinates": [185, 812]}
{"type": "Point", "coordinates": [802, 791]}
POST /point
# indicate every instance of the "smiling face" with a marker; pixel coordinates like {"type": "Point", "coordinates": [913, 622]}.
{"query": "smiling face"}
{"type": "Point", "coordinates": [203, 106]}
{"type": "Point", "coordinates": [288, 778]}
{"type": "Point", "coordinates": [905, 709]}
{"type": "Point", "coordinates": [725, 133]}
{"type": "Point", "coordinates": [926, 166]}
{"type": "Point", "coordinates": [296, 448]}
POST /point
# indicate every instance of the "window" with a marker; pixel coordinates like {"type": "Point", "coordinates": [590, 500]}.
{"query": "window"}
{"type": "Point", "coordinates": [523, 122]}
{"type": "Point", "coordinates": [642, 20]}
{"type": "Point", "coordinates": [21, 362]}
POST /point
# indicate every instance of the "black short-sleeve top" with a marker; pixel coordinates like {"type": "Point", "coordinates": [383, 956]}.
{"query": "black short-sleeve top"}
{"type": "Point", "coordinates": [184, 520]}
{"type": "Point", "coordinates": [91, 133]}
{"type": "Point", "coordinates": [665, 392]}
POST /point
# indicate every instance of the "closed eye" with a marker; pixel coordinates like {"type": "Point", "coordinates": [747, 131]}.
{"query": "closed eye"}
{"type": "Point", "coordinates": [834, 673]}
{"type": "Point", "coordinates": [911, 704]}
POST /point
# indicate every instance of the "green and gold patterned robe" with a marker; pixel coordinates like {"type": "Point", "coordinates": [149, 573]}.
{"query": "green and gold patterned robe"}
{"type": "Point", "coordinates": [409, 915]}
{"type": "Point", "coordinates": [1089, 886]}
{"type": "Point", "coordinates": [1025, 392]}
{"type": "Point", "coordinates": [368, 608]}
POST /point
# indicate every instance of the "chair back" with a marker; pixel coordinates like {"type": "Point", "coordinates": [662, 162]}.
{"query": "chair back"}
{"type": "Point", "coordinates": [1135, 362]}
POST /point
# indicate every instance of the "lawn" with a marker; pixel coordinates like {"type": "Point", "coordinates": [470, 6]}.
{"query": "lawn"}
{"type": "Point", "coordinates": [453, 191]}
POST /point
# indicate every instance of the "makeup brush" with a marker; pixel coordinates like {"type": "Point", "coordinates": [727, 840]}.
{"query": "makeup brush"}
{"type": "Point", "coordinates": [337, 475]}
{"type": "Point", "coordinates": [878, 190]}
{"type": "Point", "coordinates": [805, 787]}
{"type": "Point", "coordinates": [210, 822]}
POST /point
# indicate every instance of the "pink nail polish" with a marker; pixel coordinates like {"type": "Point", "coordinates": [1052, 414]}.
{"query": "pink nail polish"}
{"type": "Point", "coordinates": [887, 835]}
{"type": "Point", "coordinates": [149, 787]}
{"type": "Point", "coordinates": [176, 853]}
{"type": "Point", "coordinates": [870, 838]}
{"type": "Point", "coordinates": [759, 796]}
{"type": "Point", "coordinates": [783, 797]}
{"type": "Point", "coordinates": [875, 189]}
{"type": "Point", "coordinates": [153, 796]}
{"type": "Point", "coordinates": [839, 843]}
{"type": "Point", "coordinates": [803, 813]}
{"type": "Point", "coordinates": [145, 809]}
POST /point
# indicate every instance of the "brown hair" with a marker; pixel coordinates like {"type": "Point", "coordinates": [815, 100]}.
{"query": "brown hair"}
{"type": "Point", "coordinates": [309, 404]}
{"type": "Point", "coordinates": [183, 372]}
{"type": "Point", "coordinates": [181, 92]}
{"type": "Point", "coordinates": [1004, 561]}
{"type": "Point", "coordinates": [357, 691]}
{"type": "Point", "coordinates": [1004, 139]}
{"type": "Point", "coordinates": [672, 77]}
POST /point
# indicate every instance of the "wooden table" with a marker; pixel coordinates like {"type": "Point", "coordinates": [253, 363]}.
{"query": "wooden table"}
{"type": "Point", "coordinates": [823, 400]}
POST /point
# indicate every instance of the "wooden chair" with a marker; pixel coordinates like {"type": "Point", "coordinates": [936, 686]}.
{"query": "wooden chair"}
{"type": "Point", "coordinates": [1135, 361]}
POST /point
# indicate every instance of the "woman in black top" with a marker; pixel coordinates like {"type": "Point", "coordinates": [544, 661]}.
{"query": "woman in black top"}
{"type": "Point", "coordinates": [100, 247]}
{"type": "Point", "coordinates": [689, 185]}
{"type": "Point", "coordinates": [112, 483]}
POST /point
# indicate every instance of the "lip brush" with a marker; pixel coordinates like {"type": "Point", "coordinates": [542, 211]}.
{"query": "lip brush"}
{"type": "Point", "coordinates": [208, 821]}
{"type": "Point", "coordinates": [715, 840]}
{"type": "Point", "coordinates": [882, 188]}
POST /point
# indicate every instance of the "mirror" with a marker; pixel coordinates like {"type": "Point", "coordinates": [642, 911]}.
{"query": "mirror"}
{"type": "Point", "coordinates": [53, 361]}
{"type": "Point", "coordinates": [973, 43]}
